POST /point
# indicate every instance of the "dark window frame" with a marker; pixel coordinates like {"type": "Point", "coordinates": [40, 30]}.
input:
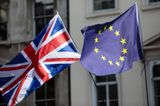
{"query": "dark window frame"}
{"type": "Point", "coordinates": [43, 18]}
{"type": "Point", "coordinates": [2, 102]}
{"type": "Point", "coordinates": [153, 1]}
{"type": "Point", "coordinates": [156, 82]}
{"type": "Point", "coordinates": [4, 11]}
{"type": "Point", "coordinates": [106, 82]}
{"type": "Point", "coordinates": [99, 5]}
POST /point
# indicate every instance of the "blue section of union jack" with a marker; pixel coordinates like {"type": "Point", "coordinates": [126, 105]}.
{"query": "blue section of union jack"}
{"type": "Point", "coordinates": [48, 54]}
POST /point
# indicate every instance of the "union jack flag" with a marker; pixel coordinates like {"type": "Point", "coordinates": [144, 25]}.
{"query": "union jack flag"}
{"type": "Point", "coordinates": [48, 54]}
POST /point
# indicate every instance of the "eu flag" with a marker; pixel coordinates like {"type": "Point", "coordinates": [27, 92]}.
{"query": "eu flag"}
{"type": "Point", "coordinates": [112, 47]}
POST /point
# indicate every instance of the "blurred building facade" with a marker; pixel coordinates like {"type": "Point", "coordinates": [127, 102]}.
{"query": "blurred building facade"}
{"type": "Point", "coordinates": [128, 88]}
{"type": "Point", "coordinates": [21, 20]}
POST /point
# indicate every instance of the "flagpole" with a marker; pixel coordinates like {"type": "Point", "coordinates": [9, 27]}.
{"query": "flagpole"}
{"type": "Point", "coordinates": [145, 69]}
{"type": "Point", "coordinates": [145, 73]}
{"type": "Point", "coordinates": [93, 79]}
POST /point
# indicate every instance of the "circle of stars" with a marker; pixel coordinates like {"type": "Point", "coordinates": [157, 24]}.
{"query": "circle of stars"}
{"type": "Point", "coordinates": [122, 41]}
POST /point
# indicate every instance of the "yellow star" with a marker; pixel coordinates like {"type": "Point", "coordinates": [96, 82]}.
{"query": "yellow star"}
{"type": "Point", "coordinates": [123, 41]}
{"type": "Point", "coordinates": [110, 62]}
{"type": "Point", "coordinates": [117, 63]}
{"type": "Point", "coordinates": [103, 57]}
{"type": "Point", "coordinates": [121, 58]}
{"type": "Point", "coordinates": [111, 28]}
{"type": "Point", "coordinates": [105, 27]}
{"type": "Point", "coordinates": [117, 33]}
{"type": "Point", "coordinates": [124, 51]}
{"type": "Point", "coordinates": [99, 32]}
{"type": "Point", "coordinates": [96, 50]}
{"type": "Point", "coordinates": [96, 40]}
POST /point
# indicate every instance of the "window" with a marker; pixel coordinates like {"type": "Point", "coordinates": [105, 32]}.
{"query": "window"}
{"type": "Point", "coordinates": [2, 103]}
{"type": "Point", "coordinates": [153, 77]}
{"type": "Point", "coordinates": [44, 11]}
{"type": "Point", "coordinates": [150, 4]}
{"type": "Point", "coordinates": [45, 96]}
{"type": "Point", "coordinates": [3, 29]}
{"type": "Point", "coordinates": [154, 1]}
{"type": "Point", "coordinates": [107, 91]}
{"type": "Point", "coordinates": [3, 19]}
{"type": "Point", "coordinates": [156, 84]}
{"type": "Point", "coordinates": [101, 7]}
{"type": "Point", "coordinates": [104, 4]}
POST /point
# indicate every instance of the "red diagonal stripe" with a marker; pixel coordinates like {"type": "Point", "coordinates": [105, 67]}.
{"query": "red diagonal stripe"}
{"type": "Point", "coordinates": [30, 52]}
{"type": "Point", "coordinates": [48, 30]}
{"type": "Point", "coordinates": [32, 55]}
{"type": "Point", "coordinates": [42, 73]}
{"type": "Point", "coordinates": [53, 44]}
{"type": "Point", "coordinates": [61, 59]}
{"type": "Point", "coordinates": [50, 46]}
{"type": "Point", "coordinates": [13, 68]}
{"type": "Point", "coordinates": [17, 80]}
{"type": "Point", "coordinates": [17, 92]}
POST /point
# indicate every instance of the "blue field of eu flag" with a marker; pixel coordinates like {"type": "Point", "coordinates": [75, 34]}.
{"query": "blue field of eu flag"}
{"type": "Point", "coordinates": [112, 47]}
